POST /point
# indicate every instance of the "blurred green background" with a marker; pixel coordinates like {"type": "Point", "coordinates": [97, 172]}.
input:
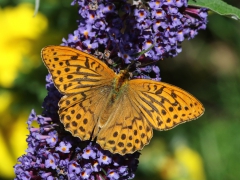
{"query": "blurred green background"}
{"type": "Point", "coordinates": [208, 67]}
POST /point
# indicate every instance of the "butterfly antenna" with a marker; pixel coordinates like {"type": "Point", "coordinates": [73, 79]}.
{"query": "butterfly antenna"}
{"type": "Point", "coordinates": [144, 51]}
{"type": "Point", "coordinates": [147, 64]}
{"type": "Point", "coordinates": [139, 54]}
{"type": "Point", "coordinates": [129, 65]}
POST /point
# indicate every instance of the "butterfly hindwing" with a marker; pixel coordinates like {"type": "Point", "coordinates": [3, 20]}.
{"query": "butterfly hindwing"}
{"type": "Point", "coordinates": [79, 112]}
{"type": "Point", "coordinates": [126, 130]}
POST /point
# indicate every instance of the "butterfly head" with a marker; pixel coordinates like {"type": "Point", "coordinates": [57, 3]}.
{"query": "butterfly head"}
{"type": "Point", "coordinates": [121, 79]}
{"type": "Point", "coordinates": [123, 75]}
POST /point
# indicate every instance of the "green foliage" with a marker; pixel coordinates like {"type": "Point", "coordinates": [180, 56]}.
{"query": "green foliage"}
{"type": "Point", "coordinates": [218, 6]}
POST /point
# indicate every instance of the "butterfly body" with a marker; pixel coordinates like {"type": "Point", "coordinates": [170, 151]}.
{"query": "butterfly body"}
{"type": "Point", "coordinates": [119, 113]}
{"type": "Point", "coordinates": [120, 83]}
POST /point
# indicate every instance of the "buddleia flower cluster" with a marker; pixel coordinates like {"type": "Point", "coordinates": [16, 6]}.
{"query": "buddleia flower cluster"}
{"type": "Point", "coordinates": [120, 33]}
{"type": "Point", "coordinates": [125, 30]}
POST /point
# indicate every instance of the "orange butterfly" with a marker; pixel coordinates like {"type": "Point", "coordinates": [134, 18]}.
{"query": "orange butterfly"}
{"type": "Point", "coordinates": [118, 112]}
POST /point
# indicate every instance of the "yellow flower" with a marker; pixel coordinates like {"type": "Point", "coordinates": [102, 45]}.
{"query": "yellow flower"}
{"type": "Point", "coordinates": [18, 29]}
{"type": "Point", "coordinates": [16, 140]}
{"type": "Point", "coordinates": [184, 164]}
{"type": "Point", "coordinates": [190, 162]}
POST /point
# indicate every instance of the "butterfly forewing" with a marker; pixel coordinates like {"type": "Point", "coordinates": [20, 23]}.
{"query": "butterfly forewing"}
{"type": "Point", "coordinates": [74, 71]}
{"type": "Point", "coordinates": [164, 105]}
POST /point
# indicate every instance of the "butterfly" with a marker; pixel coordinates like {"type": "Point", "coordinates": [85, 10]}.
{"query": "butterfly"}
{"type": "Point", "coordinates": [120, 113]}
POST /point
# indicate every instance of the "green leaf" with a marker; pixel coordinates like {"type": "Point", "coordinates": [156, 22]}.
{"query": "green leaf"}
{"type": "Point", "coordinates": [217, 6]}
